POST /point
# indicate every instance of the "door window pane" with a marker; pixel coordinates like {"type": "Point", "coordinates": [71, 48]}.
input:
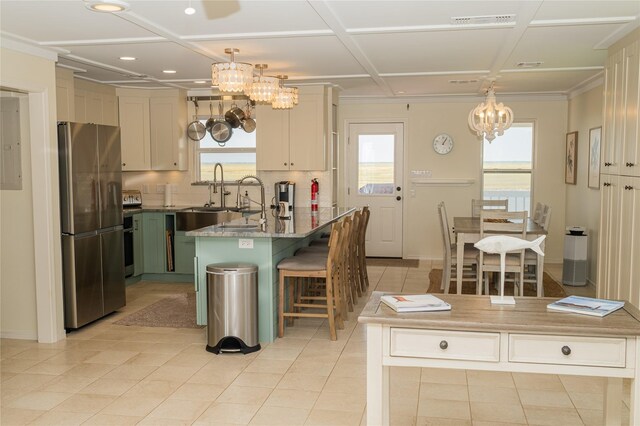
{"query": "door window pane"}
{"type": "Point", "coordinates": [376, 164]}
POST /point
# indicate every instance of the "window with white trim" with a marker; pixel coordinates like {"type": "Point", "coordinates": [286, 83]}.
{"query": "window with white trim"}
{"type": "Point", "coordinates": [237, 155]}
{"type": "Point", "coordinates": [507, 167]}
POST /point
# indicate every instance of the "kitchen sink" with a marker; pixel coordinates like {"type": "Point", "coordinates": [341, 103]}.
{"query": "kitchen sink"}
{"type": "Point", "coordinates": [199, 217]}
{"type": "Point", "coordinates": [239, 226]}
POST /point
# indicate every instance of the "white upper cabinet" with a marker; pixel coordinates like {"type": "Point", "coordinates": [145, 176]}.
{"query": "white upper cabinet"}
{"type": "Point", "coordinates": [293, 139]}
{"type": "Point", "coordinates": [95, 103]}
{"type": "Point", "coordinates": [168, 133]}
{"type": "Point", "coordinates": [135, 140]}
{"type": "Point", "coordinates": [153, 129]}
{"type": "Point", "coordinates": [65, 95]}
{"type": "Point", "coordinates": [630, 164]}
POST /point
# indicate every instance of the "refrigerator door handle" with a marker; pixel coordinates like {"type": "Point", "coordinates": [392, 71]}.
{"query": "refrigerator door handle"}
{"type": "Point", "coordinates": [110, 229]}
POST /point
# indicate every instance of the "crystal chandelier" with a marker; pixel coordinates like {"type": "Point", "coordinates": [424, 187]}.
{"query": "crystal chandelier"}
{"type": "Point", "coordinates": [264, 88]}
{"type": "Point", "coordinates": [232, 77]}
{"type": "Point", "coordinates": [286, 97]}
{"type": "Point", "coordinates": [490, 119]}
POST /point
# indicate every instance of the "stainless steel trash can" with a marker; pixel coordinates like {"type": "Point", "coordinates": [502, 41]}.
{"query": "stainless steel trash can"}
{"type": "Point", "coordinates": [232, 308]}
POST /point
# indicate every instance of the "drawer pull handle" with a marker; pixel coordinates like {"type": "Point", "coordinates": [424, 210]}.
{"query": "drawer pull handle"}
{"type": "Point", "coordinates": [444, 345]}
{"type": "Point", "coordinates": [566, 350]}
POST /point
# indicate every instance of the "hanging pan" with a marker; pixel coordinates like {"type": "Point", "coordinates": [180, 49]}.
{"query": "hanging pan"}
{"type": "Point", "coordinates": [195, 129]}
{"type": "Point", "coordinates": [248, 124]}
{"type": "Point", "coordinates": [221, 131]}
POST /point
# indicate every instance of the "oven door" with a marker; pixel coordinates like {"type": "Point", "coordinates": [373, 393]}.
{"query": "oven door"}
{"type": "Point", "coordinates": [128, 247]}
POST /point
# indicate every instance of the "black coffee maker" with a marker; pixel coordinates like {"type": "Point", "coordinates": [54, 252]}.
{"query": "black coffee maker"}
{"type": "Point", "coordinates": [285, 192]}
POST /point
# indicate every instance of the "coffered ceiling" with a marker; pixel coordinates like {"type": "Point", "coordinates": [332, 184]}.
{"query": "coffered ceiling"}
{"type": "Point", "coordinates": [367, 48]}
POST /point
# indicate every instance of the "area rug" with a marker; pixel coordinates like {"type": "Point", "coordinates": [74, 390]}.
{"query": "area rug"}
{"type": "Point", "coordinates": [176, 311]}
{"type": "Point", "coordinates": [551, 287]}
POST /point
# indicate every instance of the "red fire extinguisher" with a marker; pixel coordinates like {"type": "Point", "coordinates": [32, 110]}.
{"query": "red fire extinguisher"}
{"type": "Point", "coordinates": [314, 194]}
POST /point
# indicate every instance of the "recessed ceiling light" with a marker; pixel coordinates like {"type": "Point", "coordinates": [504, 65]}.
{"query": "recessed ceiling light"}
{"type": "Point", "coordinates": [127, 58]}
{"type": "Point", "coordinates": [189, 11]}
{"type": "Point", "coordinates": [169, 71]}
{"type": "Point", "coordinates": [107, 5]}
{"type": "Point", "coordinates": [401, 92]}
{"type": "Point", "coordinates": [200, 81]}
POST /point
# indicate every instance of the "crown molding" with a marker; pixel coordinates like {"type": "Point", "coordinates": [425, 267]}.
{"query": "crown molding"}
{"type": "Point", "coordinates": [587, 85]}
{"type": "Point", "coordinates": [452, 98]}
{"type": "Point", "coordinates": [23, 45]}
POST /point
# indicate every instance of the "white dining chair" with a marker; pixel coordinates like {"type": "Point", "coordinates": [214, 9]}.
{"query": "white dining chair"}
{"type": "Point", "coordinates": [479, 205]}
{"type": "Point", "coordinates": [531, 258]}
{"type": "Point", "coordinates": [498, 223]}
{"type": "Point", "coordinates": [449, 261]}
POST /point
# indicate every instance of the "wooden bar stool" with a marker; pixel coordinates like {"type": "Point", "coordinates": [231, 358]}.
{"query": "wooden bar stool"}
{"type": "Point", "coordinates": [362, 255]}
{"type": "Point", "coordinates": [319, 267]}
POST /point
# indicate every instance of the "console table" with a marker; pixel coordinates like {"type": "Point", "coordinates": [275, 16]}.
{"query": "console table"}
{"type": "Point", "coordinates": [526, 337]}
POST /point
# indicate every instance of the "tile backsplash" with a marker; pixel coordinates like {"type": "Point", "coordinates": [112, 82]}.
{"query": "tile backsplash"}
{"type": "Point", "coordinates": [152, 185]}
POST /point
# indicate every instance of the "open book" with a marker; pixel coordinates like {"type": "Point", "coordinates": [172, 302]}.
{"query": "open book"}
{"type": "Point", "coordinates": [586, 306]}
{"type": "Point", "coordinates": [415, 303]}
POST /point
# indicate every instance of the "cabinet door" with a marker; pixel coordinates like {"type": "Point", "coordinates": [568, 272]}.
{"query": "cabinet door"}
{"type": "Point", "coordinates": [630, 240]}
{"type": "Point", "coordinates": [613, 114]}
{"type": "Point", "coordinates": [154, 243]}
{"type": "Point", "coordinates": [65, 100]}
{"type": "Point", "coordinates": [307, 134]}
{"type": "Point", "coordinates": [185, 251]}
{"type": "Point", "coordinates": [94, 108]}
{"type": "Point", "coordinates": [80, 106]}
{"type": "Point", "coordinates": [138, 245]}
{"type": "Point", "coordinates": [109, 110]}
{"type": "Point", "coordinates": [609, 239]}
{"type": "Point", "coordinates": [165, 134]}
{"type": "Point", "coordinates": [272, 138]}
{"type": "Point", "coordinates": [630, 164]}
{"type": "Point", "coordinates": [134, 133]}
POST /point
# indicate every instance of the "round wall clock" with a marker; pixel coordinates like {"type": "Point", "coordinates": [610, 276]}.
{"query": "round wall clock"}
{"type": "Point", "coordinates": [443, 144]}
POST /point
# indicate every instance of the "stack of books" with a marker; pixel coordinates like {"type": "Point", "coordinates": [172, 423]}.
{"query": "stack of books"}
{"type": "Point", "coordinates": [415, 303]}
{"type": "Point", "coordinates": [586, 306]}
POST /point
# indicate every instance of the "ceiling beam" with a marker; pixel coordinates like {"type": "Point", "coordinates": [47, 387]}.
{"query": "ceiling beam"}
{"type": "Point", "coordinates": [325, 12]}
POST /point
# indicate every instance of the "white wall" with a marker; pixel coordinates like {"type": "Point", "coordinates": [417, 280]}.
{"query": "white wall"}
{"type": "Point", "coordinates": [17, 262]}
{"type": "Point", "coordinates": [583, 203]}
{"type": "Point", "coordinates": [30, 259]}
{"type": "Point", "coordinates": [425, 120]}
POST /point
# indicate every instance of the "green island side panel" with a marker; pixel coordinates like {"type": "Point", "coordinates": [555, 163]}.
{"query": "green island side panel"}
{"type": "Point", "coordinates": [266, 253]}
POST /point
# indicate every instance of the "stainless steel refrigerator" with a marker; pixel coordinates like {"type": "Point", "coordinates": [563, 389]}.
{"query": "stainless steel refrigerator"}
{"type": "Point", "coordinates": [91, 216]}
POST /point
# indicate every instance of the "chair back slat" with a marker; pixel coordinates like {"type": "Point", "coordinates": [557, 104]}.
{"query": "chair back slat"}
{"type": "Point", "coordinates": [545, 217]}
{"type": "Point", "coordinates": [499, 222]}
{"type": "Point", "coordinates": [537, 212]}
{"type": "Point", "coordinates": [444, 228]}
{"type": "Point", "coordinates": [479, 205]}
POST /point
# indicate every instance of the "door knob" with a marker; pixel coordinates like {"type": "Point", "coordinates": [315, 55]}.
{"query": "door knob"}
{"type": "Point", "coordinates": [398, 198]}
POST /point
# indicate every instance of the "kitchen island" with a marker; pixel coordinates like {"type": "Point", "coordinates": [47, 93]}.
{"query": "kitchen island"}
{"type": "Point", "coordinates": [244, 240]}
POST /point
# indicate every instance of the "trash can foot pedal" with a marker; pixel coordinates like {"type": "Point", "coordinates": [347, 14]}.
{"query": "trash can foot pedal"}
{"type": "Point", "coordinates": [232, 344]}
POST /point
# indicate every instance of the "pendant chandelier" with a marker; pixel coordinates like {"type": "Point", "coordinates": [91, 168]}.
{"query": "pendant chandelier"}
{"type": "Point", "coordinates": [490, 119]}
{"type": "Point", "coordinates": [232, 77]}
{"type": "Point", "coordinates": [264, 88]}
{"type": "Point", "coordinates": [286, 97]}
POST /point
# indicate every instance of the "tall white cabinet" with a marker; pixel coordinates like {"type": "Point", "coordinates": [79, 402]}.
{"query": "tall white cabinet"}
{"type": "Point", "coordinates": [619, 241]}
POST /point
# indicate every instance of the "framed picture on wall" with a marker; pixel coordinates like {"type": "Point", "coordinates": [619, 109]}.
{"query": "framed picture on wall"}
{"type": "Point", "coordinates": [570, 165]}
{"type": "Point", "coordinates": [595, 136]}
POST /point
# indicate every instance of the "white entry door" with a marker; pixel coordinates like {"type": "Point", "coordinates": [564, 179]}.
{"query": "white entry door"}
{"type": "Point", "coordinates": [376, 176]}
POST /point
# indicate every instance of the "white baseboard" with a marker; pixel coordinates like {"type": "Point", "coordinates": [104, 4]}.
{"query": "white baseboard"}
{"type": "Point", "coordinates": [19, 334]}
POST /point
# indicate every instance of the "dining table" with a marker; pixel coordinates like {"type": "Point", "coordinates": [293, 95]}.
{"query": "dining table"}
{"type": "Point", "coordinates": [467, 231]}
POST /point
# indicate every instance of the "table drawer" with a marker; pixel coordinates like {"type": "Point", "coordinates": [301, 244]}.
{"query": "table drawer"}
{"type": "Point", "coordinates": [567, 350]}
{"type": "Point", "coordinates": [443, 344]}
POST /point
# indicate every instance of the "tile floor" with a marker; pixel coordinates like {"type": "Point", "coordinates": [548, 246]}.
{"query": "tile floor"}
{"type": "Point", "coordinates": [107, 374]}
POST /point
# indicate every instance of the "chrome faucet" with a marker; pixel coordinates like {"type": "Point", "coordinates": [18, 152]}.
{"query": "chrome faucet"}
{"type": "Point", "coordinates": [215, 181]}
{"type": "Point", "coordinates": [263, 214]}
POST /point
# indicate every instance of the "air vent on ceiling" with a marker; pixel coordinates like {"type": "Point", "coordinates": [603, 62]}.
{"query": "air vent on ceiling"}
{"type": "Point", "coordinates": [529, 64]}
{"type": "Point", "coordinates": [474, 80]}
{"type": "Point", "coordinates": [483, 20]}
